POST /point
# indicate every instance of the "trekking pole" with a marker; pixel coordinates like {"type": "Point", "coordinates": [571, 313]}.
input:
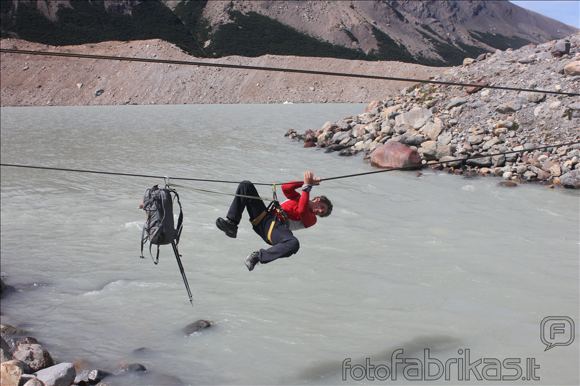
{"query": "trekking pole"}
{"type": "Point", "coordinates": [178, 258]}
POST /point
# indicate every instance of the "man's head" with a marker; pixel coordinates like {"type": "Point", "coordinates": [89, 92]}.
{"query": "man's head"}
{"type": "Point", "coordinates": [321, 206]}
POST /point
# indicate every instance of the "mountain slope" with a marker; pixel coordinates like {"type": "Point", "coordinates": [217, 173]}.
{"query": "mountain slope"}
{"type": "Point", "coordinates": [426, 32]}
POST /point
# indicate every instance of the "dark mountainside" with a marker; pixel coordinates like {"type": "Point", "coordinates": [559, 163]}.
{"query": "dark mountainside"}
{"type": "Point", "coordinates": [433, 33]}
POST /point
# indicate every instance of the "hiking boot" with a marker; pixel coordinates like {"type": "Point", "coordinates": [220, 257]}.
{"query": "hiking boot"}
{"type": "Point", "coordinates": [252, 260]}
{"type": "Point", "coordinates": [227, 226]}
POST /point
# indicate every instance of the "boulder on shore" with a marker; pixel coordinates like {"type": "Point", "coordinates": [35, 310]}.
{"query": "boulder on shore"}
{"type": "Point", "coordinates": [5, 353]}
{"type": "Point", "coordinates": [10, 373]}
{"type": "Point", "coordinates": [395, 155]}
{"type": "Point", "coordinates": [571, 179]}
{"type": "Point", "coordinates": [62, 374]}
{"type": "Point", "coordinates": [34, 355]}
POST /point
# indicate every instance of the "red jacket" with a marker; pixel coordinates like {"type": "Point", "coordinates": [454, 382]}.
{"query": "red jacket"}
{"type": "Point", "coordinates": [296, 206]}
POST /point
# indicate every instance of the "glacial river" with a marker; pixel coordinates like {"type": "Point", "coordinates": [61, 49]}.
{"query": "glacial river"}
{"type": "Point", "coordinates": [440, 268]}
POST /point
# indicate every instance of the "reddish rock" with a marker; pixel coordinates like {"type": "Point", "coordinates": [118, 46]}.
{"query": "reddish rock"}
{"type": "Point", "coordinates": [395, 155]}
{"type": "Point", "coordinates": [572, 68]}
{"type": "Point", "coordinates": [310, 143]}
{"type": "Point", "coordinates": [474, 89]}
{"type": "Point", "coordinates": [372, 105]}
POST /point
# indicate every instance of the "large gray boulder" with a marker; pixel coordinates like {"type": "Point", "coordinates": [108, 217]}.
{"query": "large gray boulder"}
{"type": "Point", "coordinates": [415, 118]}
{"type": "Point", "coordinates": [428, 150]}
{"type": "Point", "coordinates": [432, 129]}
{"type": "Point", "coordinates": [571, 179]}
{"type": "Point", "coordinates": [62, 374]}
{"type": "Point", "coordinates": [561, 48]}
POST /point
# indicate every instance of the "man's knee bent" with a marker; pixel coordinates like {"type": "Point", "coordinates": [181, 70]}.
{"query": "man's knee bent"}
{"type": "Point", "coordinates": [293, 245]}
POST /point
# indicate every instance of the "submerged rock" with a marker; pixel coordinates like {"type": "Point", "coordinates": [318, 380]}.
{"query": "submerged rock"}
{"type": "Point", "coordinates": [508, 184]}
{"type": "Point", "coordinates": [132, 368]}
{"type": "Point", "coordinates": [196, 326]}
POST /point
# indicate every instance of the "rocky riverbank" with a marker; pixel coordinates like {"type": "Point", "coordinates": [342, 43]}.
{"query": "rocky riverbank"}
{"type": "Point", "coordinates": [26, 362]}
{"type": "Point", "coordinates": [433, 123]}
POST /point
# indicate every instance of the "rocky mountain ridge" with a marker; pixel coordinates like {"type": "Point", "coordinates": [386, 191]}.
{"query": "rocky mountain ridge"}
{"type": "Point", "coordinates": [426, 32]}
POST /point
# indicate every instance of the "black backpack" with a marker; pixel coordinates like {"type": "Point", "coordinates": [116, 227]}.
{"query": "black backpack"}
{"type": "Point", "coordinates": [159, 227]}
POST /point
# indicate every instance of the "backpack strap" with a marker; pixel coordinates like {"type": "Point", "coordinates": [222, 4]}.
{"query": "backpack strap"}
{"type": "Point", "coordinates": [156, 258]}
{"type": "Point", "coordinates": [144, 238]}
{"type": "Point", "coordinates": [179, 226]}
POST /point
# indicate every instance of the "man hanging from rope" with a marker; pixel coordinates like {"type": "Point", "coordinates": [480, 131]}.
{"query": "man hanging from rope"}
{"type": "Point", "coordinates": [276, 223]}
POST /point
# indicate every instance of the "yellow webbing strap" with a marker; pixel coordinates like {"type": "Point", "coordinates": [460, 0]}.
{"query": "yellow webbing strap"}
{"type": "Point", "coordinates": [270, 230]}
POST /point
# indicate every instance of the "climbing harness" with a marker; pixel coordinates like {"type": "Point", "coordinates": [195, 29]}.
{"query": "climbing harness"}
{"type": "Point", "coordinates": [275, 208]}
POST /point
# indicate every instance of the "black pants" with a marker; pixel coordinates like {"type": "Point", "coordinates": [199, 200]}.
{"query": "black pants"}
{"type": "Point", "coordinates": [270, 228]}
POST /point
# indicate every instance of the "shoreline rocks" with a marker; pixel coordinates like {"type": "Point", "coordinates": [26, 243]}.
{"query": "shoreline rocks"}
{"type": "Point", "coordinates": [26, 362]}
{"type": "Point", "coordinates": [448, 123]}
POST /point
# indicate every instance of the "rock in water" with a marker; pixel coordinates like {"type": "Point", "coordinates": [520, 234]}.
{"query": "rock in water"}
{"type": "Point", "coordinates": [132, 368]}
{"type": "Point", "coordinates": [508, 184]}
{"type": "Point", "coordinates": [395, 155]}
{"type": "Point", "coordinates": [34, 355]}
{"type": "Point", "coordinates": [82, 378]}
{"type": "Point", "coordinates": [95, 376]}
{"type": "Point", "coordinates": [34, 382]}
{"type": "Point", "coordinates": [196, 326]}
{"type": "Point", "coordinates": [62, 374]}
{"type": "Point", "coordinates": [5, 288]}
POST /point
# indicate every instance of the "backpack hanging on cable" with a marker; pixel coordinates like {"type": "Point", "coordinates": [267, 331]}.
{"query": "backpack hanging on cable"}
{"type": "Point", "coordinates": [159, 227]}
